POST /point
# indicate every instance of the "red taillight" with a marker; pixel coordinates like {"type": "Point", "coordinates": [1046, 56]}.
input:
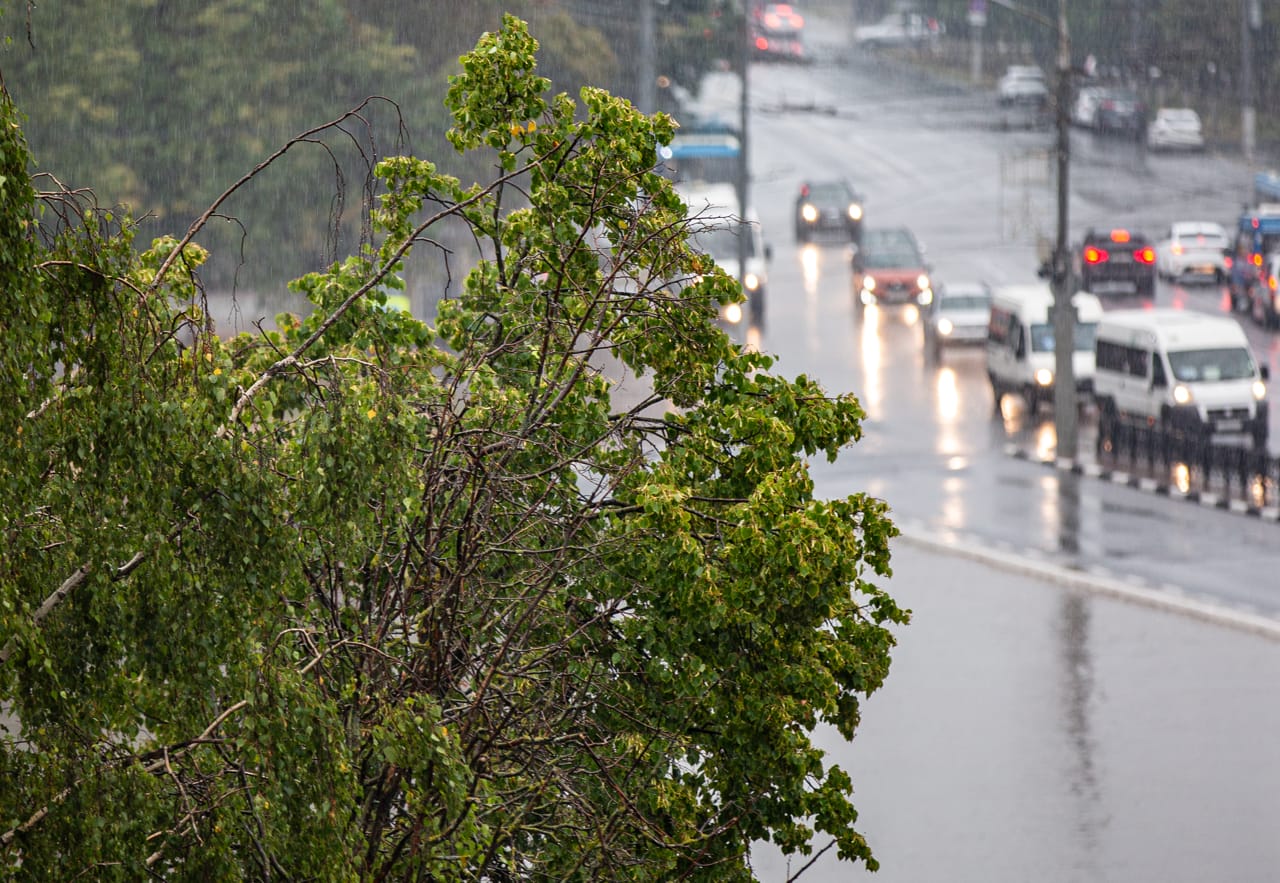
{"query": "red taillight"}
{"type": "Point", "coordinates": [1271, 282]}
{"type": "Point", "coordinates": [1145, 255]}
{"type": "Point", "coordinates": [762, 43]}
{"type": "Point", "coordinates": [1095, 255]}
{"type": "Point", "coordinates": [1257, 260]}
{"type": "Point", "coordinates": [1227, 262]}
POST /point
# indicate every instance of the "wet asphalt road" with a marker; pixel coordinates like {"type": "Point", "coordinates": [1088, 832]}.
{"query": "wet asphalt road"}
{"type": "Point", "coordinates": [1048, 716]}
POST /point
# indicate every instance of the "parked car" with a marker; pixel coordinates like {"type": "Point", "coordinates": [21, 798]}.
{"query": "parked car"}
{"type": "Point", "coordinates": [958, 315]}
{"type": "Point", "coordinates": [1022, 84]}
{"type": "Point", "coordinates": [1175, 128]}
{"type": "Point", "coordinates": [1194, 248]}
{"type": "Point", "coordinates": [1084, 112]}
{"type": "Point", "coordinates": [889, 267]}
{"type": "Point", "coordinates": [1118, 255]}
{"type": "Point", "coordinates": [1120, 111]}
{"type": "Point", "coordinates": [827, 206]}
{"type": "Point", "coordinates": [897, 29]}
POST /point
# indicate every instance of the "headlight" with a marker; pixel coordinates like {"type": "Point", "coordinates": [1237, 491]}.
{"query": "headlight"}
{"type": "Point", "coordinates": [945, 327]}
{"type": "Point", "coordinates": [925, 297]}
{"type": "Point", "coordinates": [732, 313]}
{"type": "Point", "coordinates": [1182, 395]}
{"type": "Point", "coordinates": [751, 281]}
{"type": "Point", "coordinates": [855, 211]}
{"type": "Point", "coordinates": [1259, 390]}
{"type": "Point", "coordinates": [809, 212]}
{"type": "Point", "coordinates": [869, 283]}
{"type": "Point", "coordinates": [1044, 377]}
{"type": "Point", "coordinates": [922, 281]}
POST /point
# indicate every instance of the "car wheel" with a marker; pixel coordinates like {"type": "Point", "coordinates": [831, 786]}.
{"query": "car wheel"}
{"type": "Point", "coordinates": [996, 394]}
{"type": "Point", "coordinates": [1032, 398]}
{"type": "Point", "coordinates": [1106, 426]}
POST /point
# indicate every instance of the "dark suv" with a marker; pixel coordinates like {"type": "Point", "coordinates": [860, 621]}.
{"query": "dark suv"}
{"type": "Point", "coordinates": [831, 205]}
{"type": "Point", "coordinates": [1118, 255]}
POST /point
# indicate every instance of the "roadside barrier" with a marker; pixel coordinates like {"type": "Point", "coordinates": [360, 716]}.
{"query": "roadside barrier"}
{"type": "Point", "coordinates": [1189, 463]}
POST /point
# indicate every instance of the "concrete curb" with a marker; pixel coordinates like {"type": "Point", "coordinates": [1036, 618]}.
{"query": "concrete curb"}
{"type": "Point", "coordinates": [1096, 581]}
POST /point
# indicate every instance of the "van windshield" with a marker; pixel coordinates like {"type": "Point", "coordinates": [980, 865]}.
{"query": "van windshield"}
{"type": "Point", "coordinates": [1042, 337]}
{"type": "Point", "coordinates": [722, 242]}
{"type": "Point", "coordinates": [1210, 366]}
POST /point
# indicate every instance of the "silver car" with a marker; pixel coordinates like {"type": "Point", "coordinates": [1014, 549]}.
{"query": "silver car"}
{"type": "Point", "coordinates": [958, 315]}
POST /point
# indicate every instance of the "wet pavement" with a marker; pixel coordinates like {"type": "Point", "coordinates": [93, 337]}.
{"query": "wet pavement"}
{"type": "Point", "coordinates": [1036, 727]}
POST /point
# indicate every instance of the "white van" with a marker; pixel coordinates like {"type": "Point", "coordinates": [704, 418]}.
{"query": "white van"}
{"type": "Point", "coordinates": [1020, 346]}
{"type": "Point", "coordinates": [713, 211]}
{"type": "Point", "coordinates": [1186, 372]}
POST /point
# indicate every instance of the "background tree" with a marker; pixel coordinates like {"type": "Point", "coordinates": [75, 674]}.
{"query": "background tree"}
{"type": "Point", "coordinates": [158, 105]}
{"type": "Point", "coordinates": [364, 598]}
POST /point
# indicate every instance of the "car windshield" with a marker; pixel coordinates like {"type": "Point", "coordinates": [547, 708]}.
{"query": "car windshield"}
{"type": "Point", "coordinates": [1211, 366]}
{"type": "Point", "coordinates": [829, 193]}
{"type": "Point", "coordinates": [958, 302]}
{"type": "Point", "coordinates": [891, 255]}
{"type": "Point", "coordinates": [722, 242]}
{"type": "Point", "coordinates": [1086, 337]}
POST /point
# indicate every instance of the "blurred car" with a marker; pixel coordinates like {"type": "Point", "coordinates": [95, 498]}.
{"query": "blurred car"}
{"type": "Point", "coordinates": [897, 29]}
{"type": "Point", "coordinates": [1175, 128]}
{"type": "Point", "coordinates": [1264, 301]}
{"type": "Point", "coordinates": [1120, 111]}
{"type": "Point", "coordinates": [828, 206]}
{"type": "Point", "coordinates": [1118, 255]}
{"type": "Point", "coordinates": [889, 267]}
{"type": "Point", "coordinates": [778, 32]}
{"type": "Point", "coordinates": [958, 315]}
{"type": "Point", "coordinates": [1194, 248]}
{"type": "Point", "coordinates": [1022, 84]}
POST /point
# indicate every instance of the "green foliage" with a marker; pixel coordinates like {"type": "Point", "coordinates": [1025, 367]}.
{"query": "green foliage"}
{"type": "Point", "coordinates": [364, 598]}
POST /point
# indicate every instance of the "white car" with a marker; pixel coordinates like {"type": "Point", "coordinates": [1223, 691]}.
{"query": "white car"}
{"type": "Point", "coordinates": [896, 29]}
{"type": "Point", "coordinates": [959, 314]}
{"type": "Point", "coordinates": [1194, 248]}
{"type": "Point", "coordinates": [1084, 112]}
{"type": "Point", "coordinates": [1022, 84]}
{"type": "Point", "coordinates": [1175, 128]}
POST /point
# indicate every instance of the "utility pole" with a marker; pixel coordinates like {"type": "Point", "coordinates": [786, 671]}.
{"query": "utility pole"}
{"type": "Point", "coordinates": [754, 306]}
{"type": "Point", "coordinates": [1250, 22]}
{"type": "Point", "coordinates": [1064, 313]}
{"type": "Point", "coordinates": [1058, 268]}
{"type": "Point", "coordinates": [647, 96]}
{"type": "Point", "coordinates": [977, 21]}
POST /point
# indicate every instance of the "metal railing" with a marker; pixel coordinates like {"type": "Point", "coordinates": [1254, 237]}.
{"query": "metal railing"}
{"type": "Point", "coordinates": [1192, 464]}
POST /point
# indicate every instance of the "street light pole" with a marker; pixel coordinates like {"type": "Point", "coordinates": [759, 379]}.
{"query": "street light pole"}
{"type": "Point", "coordinates": [1059, 269]}
{"type": "Point", "coordinates": [1250, 22]}
{"type": "Point", "coordinates": [1064, 314]}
